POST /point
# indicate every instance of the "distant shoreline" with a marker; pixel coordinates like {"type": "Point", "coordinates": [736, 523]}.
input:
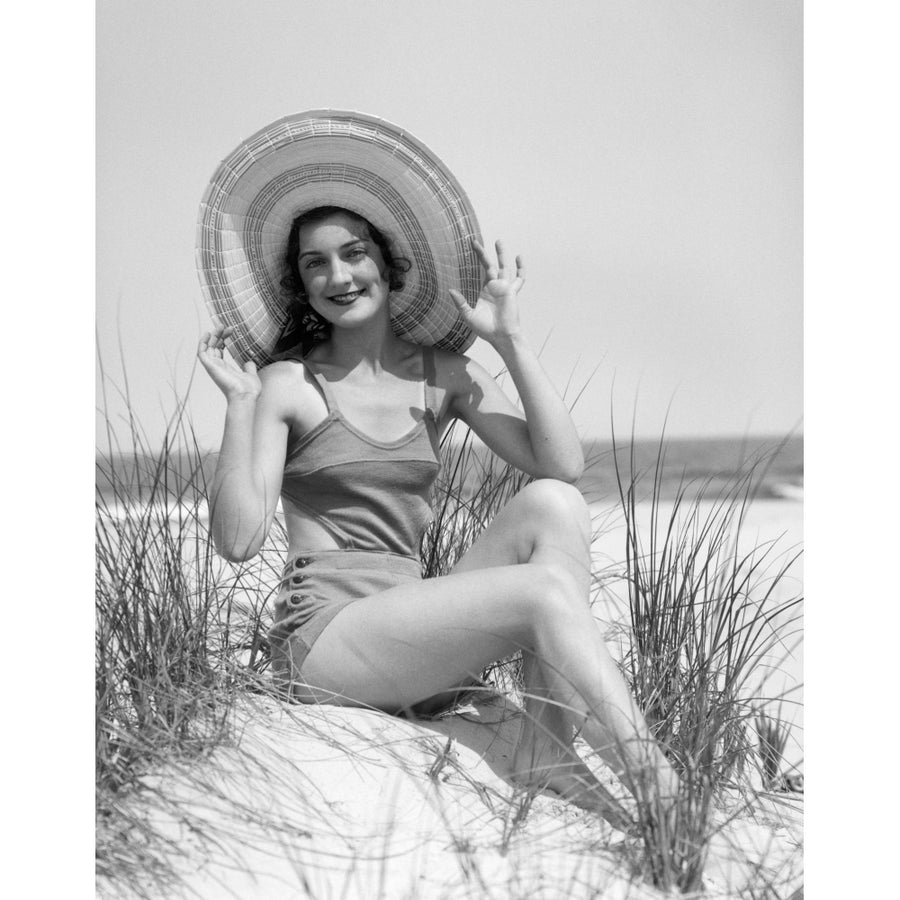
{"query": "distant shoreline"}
{"type": "Point", "coordinates": [710, 461]}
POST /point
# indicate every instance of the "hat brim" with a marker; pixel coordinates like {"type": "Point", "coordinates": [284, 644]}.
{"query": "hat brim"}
{"type": "Point", "coordinates": [346, 159]}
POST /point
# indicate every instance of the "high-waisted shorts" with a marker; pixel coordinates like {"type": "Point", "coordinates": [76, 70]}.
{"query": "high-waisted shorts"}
{"type": "Point", "coordinates": [315, 587]}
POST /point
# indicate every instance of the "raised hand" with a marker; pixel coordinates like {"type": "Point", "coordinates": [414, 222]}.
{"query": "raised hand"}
{"type": "Point", "coordinates": [495, 315]}
{"type": "Point", "coordinates": [233, 380]}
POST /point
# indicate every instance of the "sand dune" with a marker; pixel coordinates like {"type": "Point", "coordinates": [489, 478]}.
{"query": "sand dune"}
{"type": "Point", "coordinates": [327, 802]}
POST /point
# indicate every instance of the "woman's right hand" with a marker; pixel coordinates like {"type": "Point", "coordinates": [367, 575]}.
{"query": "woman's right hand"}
{"type": "Point", "coordinates": [233, 380]}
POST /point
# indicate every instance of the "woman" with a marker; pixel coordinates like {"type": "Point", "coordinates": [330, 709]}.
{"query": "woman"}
{"type": "Point", "coordinates": [344, 426]}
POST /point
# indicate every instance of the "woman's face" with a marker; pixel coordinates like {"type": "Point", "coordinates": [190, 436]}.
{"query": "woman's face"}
{"type": "Point", "coordinates": [342, 269]}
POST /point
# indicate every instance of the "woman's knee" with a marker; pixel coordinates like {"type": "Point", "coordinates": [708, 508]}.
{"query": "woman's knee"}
{"type": "Point", "coordinates": [556, 503]}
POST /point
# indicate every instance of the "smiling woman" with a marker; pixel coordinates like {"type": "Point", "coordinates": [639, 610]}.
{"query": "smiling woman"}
{"type": "Point", "coordinates": [344, 426]}
{"type": "Point", "coordinates": [363, 240]}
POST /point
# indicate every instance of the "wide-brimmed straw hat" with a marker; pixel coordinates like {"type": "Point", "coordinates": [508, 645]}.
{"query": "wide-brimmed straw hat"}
{"type": "Point", "coordinates": [329, 157]}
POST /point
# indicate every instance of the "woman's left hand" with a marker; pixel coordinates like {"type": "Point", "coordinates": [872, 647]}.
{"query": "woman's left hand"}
{"type": "Point", "coordinates": [495, 316]}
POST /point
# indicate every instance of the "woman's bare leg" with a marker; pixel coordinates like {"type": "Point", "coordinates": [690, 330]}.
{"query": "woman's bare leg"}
{"type": "Point", "coordinates": [553, 526]}
{"type": "Point", "coordinates": [549, 522]}
{"type": "Point", "coordinates": [524, 585]}
{"type": "Point", "coordinates": [546, 757]}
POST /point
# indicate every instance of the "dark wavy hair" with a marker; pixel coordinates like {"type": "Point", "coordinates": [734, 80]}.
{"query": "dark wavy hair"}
{"type": "Point", "coordinates": [304, 326]}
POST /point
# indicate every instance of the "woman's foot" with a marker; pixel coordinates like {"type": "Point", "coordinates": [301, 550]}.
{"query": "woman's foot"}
{"type": "Point", "coordinates": [560, 771]}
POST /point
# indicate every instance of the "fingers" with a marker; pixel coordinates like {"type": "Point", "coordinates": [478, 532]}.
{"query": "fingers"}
{"type": "Point", "coordinates": [493, 271]}
{"type": "Point", "coordinates": [520, 271]}
{"type": "Point", "coordinates": [498, 249]}
{"type": "Point", "coordinates": [221, 333]}
{"type": "Point", "coordinates": [214, 341]}
{"type": "Point", "coordinates": [490, 270]}
{"type": "Point", "coordinates": [460, 303]}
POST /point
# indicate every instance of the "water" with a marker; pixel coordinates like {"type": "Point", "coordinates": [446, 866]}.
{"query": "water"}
{"type": "Point", "coordinates": [776, 474]}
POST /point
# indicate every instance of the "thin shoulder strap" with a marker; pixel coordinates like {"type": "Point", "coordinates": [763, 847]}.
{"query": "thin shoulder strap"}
{"type": "Point", "coordinates": [322, 381]}
{"type": "Point", "coordinates": [431, 401]}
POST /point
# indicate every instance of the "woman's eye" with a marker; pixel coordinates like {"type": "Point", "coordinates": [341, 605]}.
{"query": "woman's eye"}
{"type": "Point", "coordinates": [310, 263]}
{"type": "Point", "coordinates": [357, 253]}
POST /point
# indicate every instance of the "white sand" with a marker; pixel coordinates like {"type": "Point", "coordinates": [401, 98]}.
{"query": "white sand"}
{"type": "Point", "coordinates": [326, 802]}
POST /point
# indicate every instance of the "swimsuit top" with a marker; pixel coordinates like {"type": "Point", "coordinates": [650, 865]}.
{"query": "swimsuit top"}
{"type": "Point", "coordinates": [369, 494]}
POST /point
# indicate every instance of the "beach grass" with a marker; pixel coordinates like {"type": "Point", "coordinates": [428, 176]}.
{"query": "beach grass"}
{"type": "Point", "coordinates": [709, 619]}
{"type": "Point", "coordinates": [180, 640]}
{"type": "Point", "coordinates": [178, 636]}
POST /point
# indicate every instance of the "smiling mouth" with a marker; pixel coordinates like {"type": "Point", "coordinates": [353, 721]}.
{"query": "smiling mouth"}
{"type": "Point", "coordinates": [345, 299]}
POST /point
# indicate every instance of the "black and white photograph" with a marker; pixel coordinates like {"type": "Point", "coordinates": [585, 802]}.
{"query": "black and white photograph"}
{"type": "Point", "coordinates": [449, 525]}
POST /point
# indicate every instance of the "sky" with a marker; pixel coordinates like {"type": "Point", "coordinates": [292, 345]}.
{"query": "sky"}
{"type": "Point", "coordinates": [644, 158]}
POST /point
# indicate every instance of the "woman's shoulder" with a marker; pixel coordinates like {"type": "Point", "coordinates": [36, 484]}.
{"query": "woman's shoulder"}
{"type": "Point", "coordinates": [286, 375]}
{"type": "Point", "coordinates": [282, 367]}
{"type": "Point", "coordinates": [289, 394]}
{"type": "Point", "coordinates": [448, 359]}
{"type": "Point", "coordinates": [452, 368]}
{"type": "Point", "coordinates": [422, 359]}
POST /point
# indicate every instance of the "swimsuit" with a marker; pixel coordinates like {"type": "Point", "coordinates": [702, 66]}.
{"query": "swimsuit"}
{"type": "Point", "coordinates": [373, 497]}
{"type": "Point", "coordinates": [369, 494]}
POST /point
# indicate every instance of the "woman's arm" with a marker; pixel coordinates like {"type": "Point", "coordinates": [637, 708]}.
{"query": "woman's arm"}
{"type": "Point", "coordinates": [247, 481]}
{"type": "Point", "coordinates": [544, 442]}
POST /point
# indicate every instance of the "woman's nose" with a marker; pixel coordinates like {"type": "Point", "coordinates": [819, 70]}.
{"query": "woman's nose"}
{"type": "Point", "coordinates": [340, 273]}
